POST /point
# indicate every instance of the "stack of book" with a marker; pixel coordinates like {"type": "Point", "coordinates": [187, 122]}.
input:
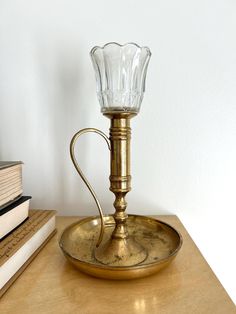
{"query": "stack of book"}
{"type": "Point", "coordinates": [23, 232]}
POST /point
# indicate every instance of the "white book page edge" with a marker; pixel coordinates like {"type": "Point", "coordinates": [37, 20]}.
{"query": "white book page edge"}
{"type": "Point", "coordinates": [13, 218]}
{"type": "Point", "coordinates": [14, 263]}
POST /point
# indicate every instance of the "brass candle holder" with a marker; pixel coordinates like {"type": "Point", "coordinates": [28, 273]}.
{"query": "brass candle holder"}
{"type": "Point", "coordinates": [119, 246]}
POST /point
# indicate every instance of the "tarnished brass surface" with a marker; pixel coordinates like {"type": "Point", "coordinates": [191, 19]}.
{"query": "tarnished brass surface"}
{"type": "Point", "coordinates": [119, 241]}
{"type": "Point", "coordinates": [73, 158]}
{"type": "Point", "coordinates": [159, 240]}
{"type": "Point", "coordinates": [120, 244]}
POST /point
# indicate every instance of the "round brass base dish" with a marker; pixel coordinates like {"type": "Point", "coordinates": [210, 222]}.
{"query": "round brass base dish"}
{"type": "Point", "coordinates": [160, 240]}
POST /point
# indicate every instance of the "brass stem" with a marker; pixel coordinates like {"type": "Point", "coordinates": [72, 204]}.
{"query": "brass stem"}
{"type": "Point", "coordinates": [120, 178]}
{"type": "Point", "coordinates": [120, 249]}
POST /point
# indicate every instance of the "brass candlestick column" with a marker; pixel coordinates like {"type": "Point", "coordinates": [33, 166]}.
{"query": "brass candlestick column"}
{"type": "Point", "coordinates": [120, 249]}
{"type": "Point", "coordinates": [120, 178]}
{"type": "Point", "coordinates": [118, 246]}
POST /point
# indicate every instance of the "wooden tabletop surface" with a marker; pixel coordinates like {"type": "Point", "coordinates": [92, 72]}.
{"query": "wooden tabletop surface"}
{"type": "Point", "coordinates": [51, 285]}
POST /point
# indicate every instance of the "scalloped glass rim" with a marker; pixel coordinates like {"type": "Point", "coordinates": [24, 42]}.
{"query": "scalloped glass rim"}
{"type": "Point", "coordinates": [93, 50]}
{"type": "Point", "coordinates": [120, 72]}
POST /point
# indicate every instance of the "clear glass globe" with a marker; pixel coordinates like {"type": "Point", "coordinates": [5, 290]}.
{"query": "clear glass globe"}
{"type": "Point", "coordinates": [120, 72]}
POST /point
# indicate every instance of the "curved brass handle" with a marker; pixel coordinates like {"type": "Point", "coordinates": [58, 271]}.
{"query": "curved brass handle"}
{"type": "Point", "coordinates": [72, 155]}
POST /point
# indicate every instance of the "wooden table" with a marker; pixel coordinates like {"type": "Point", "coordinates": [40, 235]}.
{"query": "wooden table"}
{"type": "Point", "coordinates": [51, 285]}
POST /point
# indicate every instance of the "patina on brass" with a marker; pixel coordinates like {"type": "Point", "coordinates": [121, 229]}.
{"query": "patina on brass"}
{"type": "Point", "coordinates": [121, 246]}
{"type": "Point", "coordinates": [118, 246]}
{"type": "Point", "coordinates": [160, 240]}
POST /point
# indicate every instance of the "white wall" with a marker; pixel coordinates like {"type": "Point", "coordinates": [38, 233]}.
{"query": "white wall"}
{"type": "Point", "coordinates": [183, 149]}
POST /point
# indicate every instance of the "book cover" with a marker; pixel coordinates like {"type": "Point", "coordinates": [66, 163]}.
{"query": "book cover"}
{"type": "Point", "coordinates": [20, 246]}
{"type": "Point", "coordinates": [13, 215]}
{"type": "Point", "coordinates": [18, 202]}
{"type": "Point", "coordinates": [7, 164]}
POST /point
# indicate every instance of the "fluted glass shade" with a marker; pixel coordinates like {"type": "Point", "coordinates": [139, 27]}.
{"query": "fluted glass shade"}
{"type": "Point", "coordinates": [120, 75]}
